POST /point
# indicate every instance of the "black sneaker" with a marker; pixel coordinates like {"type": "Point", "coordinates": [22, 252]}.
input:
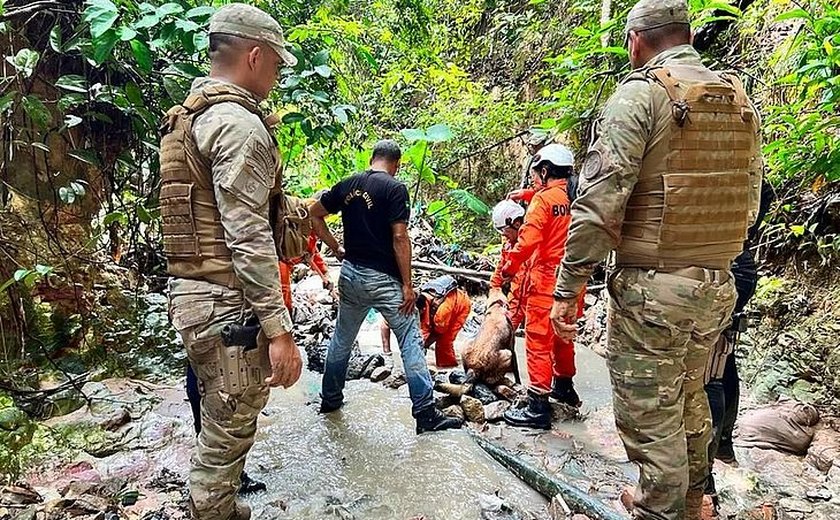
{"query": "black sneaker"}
{"type": "Point", "coordinates": [249, 485]}
{"type": "Point", "coordinates": [327, 407]}
{"type": "Point", "coordinates": [433, 420]}
{"type": "Point", "coordinates": [536, 414]}
{"type": "Point", "coordinates": [563, 390]}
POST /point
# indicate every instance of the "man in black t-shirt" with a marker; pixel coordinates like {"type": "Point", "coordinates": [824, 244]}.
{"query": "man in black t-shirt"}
{"type": "Point", "coordinates": [375, 273]}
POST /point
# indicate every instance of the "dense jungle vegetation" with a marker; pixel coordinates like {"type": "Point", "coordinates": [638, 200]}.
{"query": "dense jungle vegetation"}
{"type": "Point", "coordinates": [85, 83]}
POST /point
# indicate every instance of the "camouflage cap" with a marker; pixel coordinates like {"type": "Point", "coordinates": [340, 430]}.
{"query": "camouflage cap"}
{"type": "Point", "coordinates": [650, 14]}
{"type": "Point", "coordinates": [249, 22]}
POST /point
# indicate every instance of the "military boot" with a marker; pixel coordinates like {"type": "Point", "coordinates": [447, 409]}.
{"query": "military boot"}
{"type": "Point", "coordinates": [563, 389]}
{"type": "Point", "coordinates": [536, 414]}
{"type": "Point", "coordinates": [433, 420]}
{"type": "Point", "coordinates": [241, 511]}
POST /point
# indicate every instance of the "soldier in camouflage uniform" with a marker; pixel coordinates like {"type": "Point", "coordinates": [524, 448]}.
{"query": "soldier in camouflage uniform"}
{"type": "Point", "coordinates": [671, 184]}
{"type": "Point", "coordinates": [219, 166]}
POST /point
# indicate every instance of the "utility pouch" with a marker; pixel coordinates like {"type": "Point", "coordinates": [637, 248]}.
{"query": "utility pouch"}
{"type": "Point", "coordinates": [244, 359]}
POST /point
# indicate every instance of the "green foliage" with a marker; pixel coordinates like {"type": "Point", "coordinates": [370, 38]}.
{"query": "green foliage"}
{"type": "Point", "coordinates": [16, 431]}
{"type": "Point", "coordinates": [805, 142]}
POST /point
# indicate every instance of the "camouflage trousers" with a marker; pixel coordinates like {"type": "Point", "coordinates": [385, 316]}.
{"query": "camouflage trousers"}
{"type": "Point", "coordinates": [660, 328]}
{"type": "Point", "coordinates": [199, 310]}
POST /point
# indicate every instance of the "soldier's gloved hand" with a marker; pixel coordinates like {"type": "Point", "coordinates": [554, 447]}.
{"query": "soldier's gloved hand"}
{"type": "Point", "coordinates": [564, 318]}
{"type": "Point", "coordinates": [285, 361]}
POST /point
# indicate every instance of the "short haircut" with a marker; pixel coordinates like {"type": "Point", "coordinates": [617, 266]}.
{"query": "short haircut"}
{"type": "Point", "coordinates": [222, 45]}
{"type": "Point", "coordinates": [554, 171]}
{"type": "Point", "coordinates": [386, 149]}
{"type": "Point", "coordinates": [667, 35]}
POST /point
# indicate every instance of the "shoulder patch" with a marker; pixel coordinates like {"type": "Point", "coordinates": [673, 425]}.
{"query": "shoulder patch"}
{"type": "Point", "coordinates": [592, 165]}
{"type": "Point", "coordinates": [251, 177]}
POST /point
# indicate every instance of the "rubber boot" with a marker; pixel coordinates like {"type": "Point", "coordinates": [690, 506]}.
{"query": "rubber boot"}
{"type": "Point", "coordinates": [726, 453]}
{"type": "Point", "coordinates": [563, 390]}
{"type": "Point", "coordinates": [433, 420]}
{"type": "Point", "coordinates": [536, 414]}
{"type": "Point", "coordinates": [249, 485]}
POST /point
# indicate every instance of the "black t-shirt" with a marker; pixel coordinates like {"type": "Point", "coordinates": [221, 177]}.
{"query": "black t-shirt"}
{"type": "Point", "coordinates": [369, 203]}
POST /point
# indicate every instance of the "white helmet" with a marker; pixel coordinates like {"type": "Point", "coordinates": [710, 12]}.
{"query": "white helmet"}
{"type": "Point", "coordinates": [505, 213]}
{"type": "Point", "coordinates": [556, 154]}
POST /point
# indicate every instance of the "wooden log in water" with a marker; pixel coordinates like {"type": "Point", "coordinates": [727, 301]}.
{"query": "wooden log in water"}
{"type": "Point", "coordinates": [547, 485]}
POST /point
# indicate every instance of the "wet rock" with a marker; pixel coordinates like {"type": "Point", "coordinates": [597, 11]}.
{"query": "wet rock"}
{"type": "Point", "coordinates": [380, 374]}
{"type": "Point", "coordinates": [819, 494]}
{"type": "Point", "coordinates": [473, 409]}
{"type": "Point", "coordinates": [495, 411]}
{"type": "Point", "coordinates": [824, 451]}
{"type": "Point", "coordinates": [796, 505]}
{"type": "Point", "coordinates": [483, 393]}
{"type": "Point", "coordinates": [506, 392]}
{"type": "Point", "coordinates": [395, 381]}
{"type": "Point", "coordinates": [116, 419]}
{"type": "Point", "coordinates": [445, 401]}
{"type": "Point", "coordinates": [454, 411]}
{"type": "Point", "coordinates": [19, 495]}
{"type": "Point", "coordinates": [457, 377]}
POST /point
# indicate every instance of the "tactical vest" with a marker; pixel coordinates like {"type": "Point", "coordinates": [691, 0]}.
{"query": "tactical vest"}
{"type": "Point", "coordinates": [691, 204]}
{"type": "Point", "coordinates": [193, 236]}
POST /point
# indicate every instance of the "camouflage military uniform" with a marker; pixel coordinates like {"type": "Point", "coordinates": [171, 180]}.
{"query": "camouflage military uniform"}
{"type": "Point", "coordinates": [661, 322]}
{"type": "Point", "coordinates": [220, 208]}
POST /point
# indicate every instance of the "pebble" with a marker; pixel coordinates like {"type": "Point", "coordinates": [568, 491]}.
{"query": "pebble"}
{"type": "Point", "coordinates": [454, 411]}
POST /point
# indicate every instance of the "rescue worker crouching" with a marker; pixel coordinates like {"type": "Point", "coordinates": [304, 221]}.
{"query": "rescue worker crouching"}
{"type": "Point", "coordinates": [444, 309]}
{"type": "Point", "coordinates": [542, 240]}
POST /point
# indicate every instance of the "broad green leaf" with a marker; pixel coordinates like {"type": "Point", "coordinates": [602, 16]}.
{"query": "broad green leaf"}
{"type": "Point", "coordinates": [435, 207]}
{"type": "Point", "coordinates": [43, 270]}
{"type": "Point", "coordinates": [201, 41]}
{"type": "Point", "coordinates": [72, 83]}
{"type": "Point", "coordinates": [188, 69]}
{"type": "Point", "coordinates": [117, 216]}
{"type": "Point", "coordinates": [25, 61]}
{"type": "Point", "coordinates": [794, 13]}
{"type": "Point", "coordinates": [147, 21]}
{"type": "Point", "coordinates": [321, 96]}
{"type": "Point", "coordinates": [797, 230]}
{"type": "Point", "coordinates": [78, 188]}
{"type": "Point", "coordinates": [67, 195]}
{"type": "Point", "coordinates": [168, 9]}
{"type": "Point", "coordinates": [103, 46]}
{"type": "Point", "coordinates": [323, 70]}
{"type": "Point", "coordinates": [101, 15]}
{"type": "Point", "coordinates": [86, 156]}
{"type": "Point", "coordinates": [187, 25]}
{"type": "Point", "coordinates": [37, 111]}
{"type": "Point", "coordinates": [470, 201]}
{"type": "Point", "coordinates": [56, 38]}
{"type": "Point", "coordinates": [321, 57]}
{"type": "Point", "coordinates": [428, 175]}
{"type": "Point", "coordinates": [20, 274]}
{"type": "Point", "coordinates": [200, 12]}
{"type": "Point", "coordinates": [438, 133]}
{"type": "Point", "coordinates": [293, 117]}
{"type": "Point", "coordinates": [7, 101]}
{"type": "Point", "coordinates": [142, 54]}
{"type": "Point", "coordinates": [174, 89]}
{"type": "Point", "coordinates": [133, 93]}
{"type": "Point", "coordinates": [71, 120]}
{"type": "Point", "coordinates": [365, 55]}
{"type": "Point", "coordinates": [416, 154]}
{"type": "Point", "coordinates": [143, 214]}
{"type": "Point", "coordinates": [414, 134]}
{"type": "Point", "coordinates": [362, 159]}
{"type": "Point", "coordinates": [290, 82]}
{"type": "Point", "coordinates": [340, 113]}
{"type": "Point", "coordinates": [126, 33]}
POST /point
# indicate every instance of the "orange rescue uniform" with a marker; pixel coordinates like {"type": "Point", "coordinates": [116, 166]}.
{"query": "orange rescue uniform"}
{"type": "Point", "coordinates": [440, 326]}
{"type": "Point", "coordinates": [518, 291]}
{"type": "Point", "coordinates": [315, 260]}
{"type": "Point", "coordinates": [542, 242]}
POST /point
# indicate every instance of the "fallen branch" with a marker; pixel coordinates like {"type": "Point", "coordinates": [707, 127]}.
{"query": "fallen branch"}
{"type": "Point", "coordinates": [470, 273]}
{"type": "Point", "coordinates": [547, 485]}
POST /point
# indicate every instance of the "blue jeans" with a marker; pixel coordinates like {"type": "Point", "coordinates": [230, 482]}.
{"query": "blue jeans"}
{"type": "Point", "coordinates": [362, 289]}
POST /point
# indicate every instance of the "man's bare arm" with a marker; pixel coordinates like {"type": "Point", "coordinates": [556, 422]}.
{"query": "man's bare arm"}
{"type": "Point", "coordinates": [317, 213]}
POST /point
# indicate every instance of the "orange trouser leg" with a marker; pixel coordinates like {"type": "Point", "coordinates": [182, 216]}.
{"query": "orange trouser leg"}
{"type": "Point", "coordinates": [564, 358]}
{"type": "Point", "coordinates": [445, 351]}
{"type": "Point", "coordinates": [286, 284]}
{"type": "Point", "coordinates": [539, 345]}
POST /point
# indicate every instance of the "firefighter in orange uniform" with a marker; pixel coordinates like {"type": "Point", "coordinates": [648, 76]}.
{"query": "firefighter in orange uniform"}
{"type": "Point", "coordinates": [542, 242]}
{"type": "Point", "coordinates": [315, 261]}
{"type": "Point", "coordinates": [508, 217]}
